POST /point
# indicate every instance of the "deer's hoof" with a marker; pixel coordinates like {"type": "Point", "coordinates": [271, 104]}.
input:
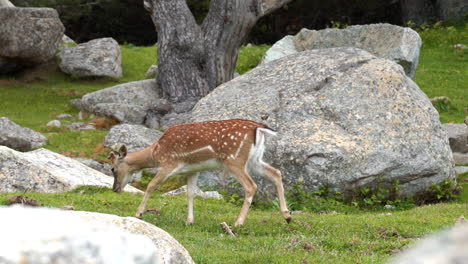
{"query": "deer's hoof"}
{"type": "Point", "coordinates": [288, 220]}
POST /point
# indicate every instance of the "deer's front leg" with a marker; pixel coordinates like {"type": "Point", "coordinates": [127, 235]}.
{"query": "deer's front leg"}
{"type": "Point", "coordinates": [191, 187]}
{"type": "Point", "coordinates": [161, 176]}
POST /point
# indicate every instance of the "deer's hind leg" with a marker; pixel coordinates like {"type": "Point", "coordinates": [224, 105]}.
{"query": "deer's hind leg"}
{"type": "Point", "coordinates": [250, 187]}
{"type": "Point", "coordinates": [274, 175]}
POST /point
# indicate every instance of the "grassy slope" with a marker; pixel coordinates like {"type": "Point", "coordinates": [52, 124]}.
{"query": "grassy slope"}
{"type": "Point", "coordinates": [350, 236]}
{"type": "Point", "coordinates": [443, 70]}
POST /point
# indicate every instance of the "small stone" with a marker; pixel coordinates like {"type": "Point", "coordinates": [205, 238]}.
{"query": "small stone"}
{"type": "Point", "coordinates": [54, 123]}
{"type": "Point", "coordinates": [152, 71]}
{"type": "Point", "coordinates": [389, 207]}
{"type": "Point", "coordinates": [62, 116]}
{"type": "Point", "coordinates": [68, 207]}
{"type": "Point", "coordinates": [80, 127]}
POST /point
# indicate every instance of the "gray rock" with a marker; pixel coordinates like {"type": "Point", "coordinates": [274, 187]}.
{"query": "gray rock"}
{"type": "Point", "coordinates": [48, 172]}
{"type": "Point", "coordinates": [382, 40]}
{"type": "Point", "coordinates": [172, 119]}
{"type": "Point", "coordinates": [19, 138]}
{"type": "Point", "coordinates": [281, 48]}
{"type": "Point", "coordinates": [134, 137]}
{"type": "Point", "coordinates": [152, 71]}
{"type": "Point", "coordinates": [152, 119]}
{"type": "Point", "coordinates": [106, 168]}
{"type": "Point", "coordinates": [83, 237]}
{"type": "Point", "coordinates": [62, 116]}
{"type": "Point", "coordinates": [101, 167]}
{"type": "Point", "coordinates": [344, 117]}
{"type": "Point", "coordinates": [67, 40]}
{"type": "Point", "coordinates": [461, 169]}
{"type": "Point", "coordinates": [458, 137]}
{"type": "Point", "coordinates": [95, 58]}
{"type": "Point", "coordinates": [127, 103]}
{"type": "Point", "coordinates": [447, 247]}
{"type": "Point", "coordinates": [28, 37]}
{"type": "Point", "coordinates": [460, 158]}
{"type": "Point", "coordinates": [6, 3]}
{"type": "Point", "coordinates": [132, 114]}
{"type": "Point", "coordinates": [80, 126]}
{"type": "Point", "coordinates": [54, 123]}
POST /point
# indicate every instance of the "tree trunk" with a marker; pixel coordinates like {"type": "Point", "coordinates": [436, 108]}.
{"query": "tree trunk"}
{"type": "Point", "coordinates": [194, 59]}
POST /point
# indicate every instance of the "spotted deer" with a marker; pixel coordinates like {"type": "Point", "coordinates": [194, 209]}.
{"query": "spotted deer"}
{"type": "Point", "coordinates": [236, 146]}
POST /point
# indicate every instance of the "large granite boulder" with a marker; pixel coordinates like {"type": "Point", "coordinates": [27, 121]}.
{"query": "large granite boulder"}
{"type": "Point", "coordinates": [45, 171]}
{"type": "Point", "coordinates": [56, 236]}
{"type": "Point", "coordinates": [95, 58]}
{"type": "Point", "coordinates": [19, 138]}
{"type": "Point", "coordinates": [382, 40]}
{"type": "Point", "coordinates": [127, 103]}
{"type": "Point", "coordinates": [28, 37]}
{"type": "Point", "coordinates": [345, 118]}
{"type": "Point", "coordinates": [134, 137]}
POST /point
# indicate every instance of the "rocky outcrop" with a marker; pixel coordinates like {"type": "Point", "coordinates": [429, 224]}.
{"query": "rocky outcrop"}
{"type": "Point", "coordinates": [48, 172]}
{"type": "Point", "coordinates": [28, 37]}
{"type": "Point", "coordinates": [95, 58]}
{"type": "Point", "coordinates": [134, 137]}
{"type": "Point", "coordinates": [19, 138]}
{"type": "Point", "coordinates": [59, 236]}
{"type": "Point", "coordinates": [345, 119]}
{"type": "Point", "coordinates": [127, 103]}
{"type": "Point", "coordinates": [386, 41]}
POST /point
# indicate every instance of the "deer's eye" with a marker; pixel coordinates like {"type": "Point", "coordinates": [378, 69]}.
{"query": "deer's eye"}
{"type": "Point", "coordinates": [112, 169]}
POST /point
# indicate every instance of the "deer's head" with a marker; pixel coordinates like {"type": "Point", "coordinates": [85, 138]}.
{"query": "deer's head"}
{"type": "Point", "coordinates": [121, 170]}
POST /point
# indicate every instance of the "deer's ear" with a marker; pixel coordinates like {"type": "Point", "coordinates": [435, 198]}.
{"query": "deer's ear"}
{"type": "Point", "coordinates": [112, 156]}
{"type": "Point", "coordinates": [123, 151]}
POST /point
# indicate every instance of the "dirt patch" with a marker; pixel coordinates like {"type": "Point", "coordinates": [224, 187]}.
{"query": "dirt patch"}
{"type": "Point", "coordinates": [19, 199]}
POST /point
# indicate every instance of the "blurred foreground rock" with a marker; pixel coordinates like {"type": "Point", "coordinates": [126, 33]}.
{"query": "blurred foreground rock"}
{"type": "Point", "coordinates": [57, 236]}
{"type": "Point", "coordinates": [447, 247]}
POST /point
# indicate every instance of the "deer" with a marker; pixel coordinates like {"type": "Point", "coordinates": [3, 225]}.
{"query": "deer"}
{"type": "Point", "coordinates": [235, 145]}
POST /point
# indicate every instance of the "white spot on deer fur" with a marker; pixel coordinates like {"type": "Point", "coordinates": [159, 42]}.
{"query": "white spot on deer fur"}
{"type": "Point", "coordinates": [232, 137]}
{"type": "Point", "coordinates": [225, 143]}
{"type": "Point", "coordinates": [244, 127]}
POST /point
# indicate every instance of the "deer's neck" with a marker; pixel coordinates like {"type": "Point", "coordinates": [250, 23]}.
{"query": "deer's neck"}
{"type": "Point", "coordinates": [141, 159]}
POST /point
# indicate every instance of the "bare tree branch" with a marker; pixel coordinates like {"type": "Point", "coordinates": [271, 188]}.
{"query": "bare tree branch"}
{"type": "Point", "coordinates": [268, 6]}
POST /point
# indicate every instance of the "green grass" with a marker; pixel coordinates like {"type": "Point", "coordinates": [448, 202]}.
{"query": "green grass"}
{"type": "Point", "coordinates": [443, 70]}
{"type": "Point", "coordinates": [347, 236]}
